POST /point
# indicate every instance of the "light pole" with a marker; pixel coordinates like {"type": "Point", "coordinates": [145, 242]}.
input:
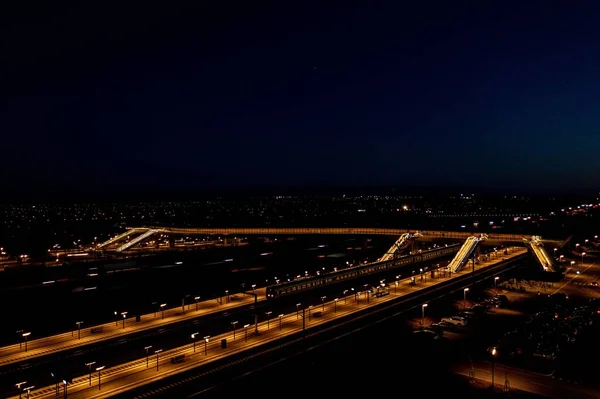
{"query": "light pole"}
{"type": "Point", "coordinates": [423, 306]}
{"type": "Point", "coordinates": [28, 390]}
{"type": "Point", "coordinates": [323, 303]}
{"type": "Point", "coordinates": [156, 352]}
{"type": "Point", "coordinates": [246, 332]}
{"type": "Point", "coordinates": [194, 338]}
{"type": "Point", "coordinates": [234, 323]}
{"type": "Point", "coordinates": [124, 314]}
{"type": "Point", "coordinates": [582, 255]}
{"type": "Point", "coordinates": [90, 364]}
{"type": "Point", "coordinates": [465, 297]}
{"type": "Point", "coordinates": [268, 318]}
{"type": "Point", "coordinates": [496, 281]}
{"type": "Point", "coordinates": [79, 323]}
{"type": "Point", "coordinates": [26, 335]}
{"type": "Point", "coordinates": [196, 299]}
{"type": "Point", "coordinates": [298, 310]}
{"type": "Point", "coordinates": [367, 291]}
{"type": "Point", "coordinates": [493, 364]}
{"type": "Point", "coordinates": [99, 370]}
{"type": "Point", "coordinates": [162, 310]}
{"type": "Point", "coordinates": [335, 305]}
{"type": "Point", "coordinates": [206, 344]}
{"type": "Point", "coordinates": [253, 288]}
{"type": "Point", "coordinates": [19, 385]}
{"type": "Point", "coordinates": [309, 310]}
{"type": "Point", "coordinates": [66, 385]}
{"type": "Point", "coordinates": [226, 296]}
{"type": "Point", "coordinates": [147, 348]}
{"type": "Point", "coordinates": [280, 317]}
{"type": "Point", "coordinates": [116, 319]}
{"type": "Point", "coordinates": [345, 294]}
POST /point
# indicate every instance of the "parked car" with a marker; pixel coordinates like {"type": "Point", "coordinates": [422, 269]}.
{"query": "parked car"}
{"type": "Point", "coordinates": [455, 320]}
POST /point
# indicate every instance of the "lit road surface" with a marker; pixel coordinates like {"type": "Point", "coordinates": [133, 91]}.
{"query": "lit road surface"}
{"type": "Point", "coordinates": [69, 340]}
{"type": "Point", "coordinates": [127, 376]}
{"type": "Point", "coordinates": [526, 381]}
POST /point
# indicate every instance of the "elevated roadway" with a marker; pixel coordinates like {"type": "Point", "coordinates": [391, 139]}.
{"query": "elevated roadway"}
{"type": "Point", "coordinates": [118, 379]}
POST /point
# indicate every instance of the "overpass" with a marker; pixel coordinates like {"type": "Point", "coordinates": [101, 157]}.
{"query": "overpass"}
{"type": "Point", "coordinates": [147, 232]}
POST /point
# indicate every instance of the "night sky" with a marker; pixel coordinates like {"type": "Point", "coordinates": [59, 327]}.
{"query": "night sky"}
{"type": "Point", "coordinates": [489, 94]}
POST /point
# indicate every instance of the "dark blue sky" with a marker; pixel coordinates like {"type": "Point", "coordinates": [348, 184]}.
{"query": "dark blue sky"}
{"type": "Point", "coordinates": [471, 94]}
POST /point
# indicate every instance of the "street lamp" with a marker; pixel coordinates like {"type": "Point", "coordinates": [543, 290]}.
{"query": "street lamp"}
{"type": "Point", "coordinates": [19, 385]}
{"type": "Point", "coordinates": [26, 335]}
{"type": "Point", "coordinates": [496, 281]}
{"type": "Point", "coordinates": [194, 338]}
{"type": "Point", "coordinates": [79, 323]}
{"type": "Point", "coordinates": [99, 370]}
{"type": "Point", "coordinates": [465, 297]}
{"type": "Point", "coordinates": [298, 310]}
{"type": "Point", "coordinates": [268, 318]}
{"type": "Point", "coordinates": [345, 294]}
{"type": "Point", "coordinates": [196, 299]}
{"type": "Point", "coordinates": [246, 332]}
{"type": "Point", "coordinates": [233, 323]}
{"type": "Point", "coordinates": [423, 306]}
{"type": "Point", "coordinates": [124, 314]}
{"type": "Point", "coordinates": [206, 344]}
{"type": "Point", "coordinates": [280, 317]}
{"type": "Point", "coordinates": [28, 390]}
{"type": "Point", "coordinates": [66, 385]}
{"type": "Point", "coordinates": [90, 364]}
{"type": "Point", "coordinates": [147, 348]}
{"type": "Point", "coordinates": [582, 255]}
{"type": "Point", "coordinates": [116, 319]}
{"type": "Point", "coordinates": [323, 302]}
{"type": "Point", "coordinates": [493, 366]}
{"type": "Point", "coordinates": [226, 296]}
{"type": "Point", "coordinates": [162, 310]}
{"type": "Point", "coordinates": [253, 288]}
{"type": "Point", "coordinates": [156, 352]}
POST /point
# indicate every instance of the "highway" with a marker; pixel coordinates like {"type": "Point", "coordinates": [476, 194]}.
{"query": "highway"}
{"type": "Point", "coordinates": [73, 339]}
{"type": "Point", "coordinates": [127, 376]}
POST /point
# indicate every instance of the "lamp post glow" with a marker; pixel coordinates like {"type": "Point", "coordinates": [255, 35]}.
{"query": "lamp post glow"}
{"type": "Point", "coordinates": [99, 370]}
{"type": "Point", "coordinates": [582, 255]}
{"type": "Point", "coordinates": [234, 323]}
{"type": "Point", "coordinates": [280, 317]}
{"type": "Point", "coordinates": [79, 323]}
{"type": "Point", "coordinates": [298, 310]}
{"type": "Point", "coordinates": [194, 338]}
{"type": "Point", "coordinates": [90, 364]}
{"type": "Point", "coordinates": [335, 305]}
{"type": "Point", "coordinates": [246, 332]}
{"type": "Point", "coordinates": [323, 303]}
{"type": "Point", "coordinates": [493, 365]}
{"type": "Point", "coordinates": [196, 299]}
{"type": "Point", "coordinates": [124, 314]}
{"type": "Point", "coordinates": [147, 348]}
{"type": "Point", "coordinates": [116, 319]}
{"type": "Point", "coordinates": [26, 335]}
{"type": "Point", "coordinates": [206, 344]}
{"type": "Point", "coordinates": [423, 306]}
{"type": "Point", "coordinates": [19, 385]}
{"type": "Point", "coordinates": [162, 310]}
{"type": "Point", "coordinates": [268, 318]}
{"type": "Point", "coordinates": [496, 281]}
{"type": "Point", "coordinates": [156, 352]}
{"type": "Point", "coordinates": [465, 297]}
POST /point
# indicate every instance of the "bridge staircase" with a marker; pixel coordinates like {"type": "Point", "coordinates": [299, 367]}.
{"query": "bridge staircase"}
{"type": "Point", "coordinates": [541, 255]}
{"type": "Point", "coordinates": [465, 252]}
{"type": "Point", "coordinates": [138, 239]}
{"type": "Point", "coordinates": [117, 238]}
{"type": "Point", "coordinates": [401, 244]}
